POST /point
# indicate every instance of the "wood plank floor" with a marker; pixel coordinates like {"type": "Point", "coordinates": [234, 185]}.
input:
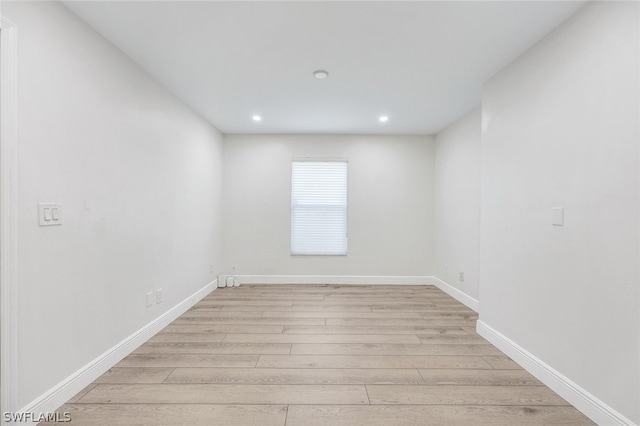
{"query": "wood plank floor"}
{"type": "Point", "coordinates": [321, 355]}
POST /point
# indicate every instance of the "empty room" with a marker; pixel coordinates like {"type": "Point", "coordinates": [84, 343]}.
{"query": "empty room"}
{"type": "Point", "coordinates": [320, 212]}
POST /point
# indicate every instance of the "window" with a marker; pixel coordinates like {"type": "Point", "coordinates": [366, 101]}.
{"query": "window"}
{"type": "Point", "coordinates": [319, 208]}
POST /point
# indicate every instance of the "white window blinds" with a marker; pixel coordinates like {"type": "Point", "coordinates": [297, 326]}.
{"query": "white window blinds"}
{"type": "Point", "coordinates": [319, 208]}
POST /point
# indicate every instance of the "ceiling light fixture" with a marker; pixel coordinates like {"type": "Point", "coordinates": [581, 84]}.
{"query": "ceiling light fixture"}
{"type": "Point", "coordinates": [383, 119]}
{"type": "Point", "coordinates": [256, 118]}
{"type": "Point", "coordinates": [321, 74]}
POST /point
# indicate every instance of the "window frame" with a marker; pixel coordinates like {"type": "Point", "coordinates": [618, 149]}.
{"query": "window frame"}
{"type": "Point", "coordinates": [346, 205]}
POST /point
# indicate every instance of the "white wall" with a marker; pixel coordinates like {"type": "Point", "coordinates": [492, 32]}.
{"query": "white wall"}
{"type": "Point", "coordinates": [560, 128]}
{"type": "Point", "coordinates": [138, 175]}
{"type": "Point", "coordinates": [389, 213]}
{"type": "Point", "coordinates": [456, 226]}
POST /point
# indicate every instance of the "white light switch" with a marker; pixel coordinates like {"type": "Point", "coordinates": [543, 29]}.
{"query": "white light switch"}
{"type": "Point", "coordinates": [558, 216]}
{"type": "Point", "coordinates": [49, 214]}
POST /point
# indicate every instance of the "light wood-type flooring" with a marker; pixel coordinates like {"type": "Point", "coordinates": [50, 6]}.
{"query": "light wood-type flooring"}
{"type": "Point", "coordinates": [321, 355]}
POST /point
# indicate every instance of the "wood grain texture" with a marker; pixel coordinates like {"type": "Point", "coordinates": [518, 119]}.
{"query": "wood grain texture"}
{"type": "Point", "coordinates": [502, 363]}
{"type": "Point", "coordinates": [219, 302]}
{"type": "Point", "coordinates": [135, 375]}
{"type": "Point", "coordinates": [169, 393]}
{"type": "Point", "coordinates": [221, 328]}
{"type": "Point", "coordinates": [174, 414]}
{"type": "Point", "coordinates": [420, 415]}
{"type": "Point", "coordinates": [408, 306]}
{"type": "Point", "coordinates": [328, 307]}
{"type": "Point", "coordinates": [212, 348]}
{"type": "Point", "coordinates": [366, 329]}
{"type": "Point", "coordinates": [165, 337]}
{"type": "Point", "coordinates": [188, 360]}
{"type": "Point", "coordinates": [451, 339]}
{"type": "Point", "coordinates": [478, 377]}
{"type": "Point", "coordinates": [470, 330]}
{"type": "Point", "coordinates": [461, 395]}
{"type": "Point", "coordinates": [323, 338]}
{"type": "Point", "coordinates": [212, 319]}
{"type": "Point", "coordinates": [437, 322]}
{"type": "Point", "coordinates": [363, 361]}
{"type": "Point", "coordinates": [460, 315]}
{"type": "Point", "coordinates": [421, 309]}
{"type": "Point", "coordinates": [341, 314]}
{"type": "Point", "coordinates": [320, 355]}
{"type": "Point", "coordinates": [82, 393]}
{"type": "Point", "coordinates": [216, 312]}
{"type": "Point", "coordinates": [295, 376]}
{"type": "Point", "coordinates": [391, 349]}
{"type": "Point", "coordinates": [266, 297]}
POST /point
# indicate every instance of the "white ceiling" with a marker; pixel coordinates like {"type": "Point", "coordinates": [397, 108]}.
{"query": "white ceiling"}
{"type": "Point", "coordinates": [421, 63]}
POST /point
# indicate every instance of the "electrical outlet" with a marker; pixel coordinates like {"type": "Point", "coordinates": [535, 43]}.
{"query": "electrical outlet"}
{"type": "Point", "coordinates": [211, 269]}
{"type": "Point", "coordinates": [461, 276]}
{"type": "Point", "coordinates": [229, 281]}
{"type": "Point", "coordinates": [558, 216]}
{"type": "Point", "coordinates": [158, 296]}
{"type": "Point", "coordinates": [149, 299]}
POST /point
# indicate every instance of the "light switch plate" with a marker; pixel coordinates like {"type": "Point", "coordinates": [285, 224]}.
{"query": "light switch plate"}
{"type": "Point", "coordinates": [49, 214]}
{"type": "Point", "coordinates": [558, 216]}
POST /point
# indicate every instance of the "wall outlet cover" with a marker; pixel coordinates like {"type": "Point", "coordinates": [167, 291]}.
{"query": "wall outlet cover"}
{"type": "Point", "coordinates": [49, 214]}
{"type": "Point", "coordinates": [558, 216]}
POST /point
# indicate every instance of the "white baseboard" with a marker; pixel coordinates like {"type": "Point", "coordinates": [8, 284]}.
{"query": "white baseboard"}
{"type": "Point", "coordinates": [460, 296]}
{"type": "Point", "coordinates": [333, 279]}
{"type": "Point", "coordinates": [584, 401]}
{"type": "Point", "coordinates": [69, 387]}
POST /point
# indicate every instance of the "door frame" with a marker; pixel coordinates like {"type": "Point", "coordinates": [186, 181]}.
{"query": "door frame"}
{"type": "Point", "coordinates": [8, 218]}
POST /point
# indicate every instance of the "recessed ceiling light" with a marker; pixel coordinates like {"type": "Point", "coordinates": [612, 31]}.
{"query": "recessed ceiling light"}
{"type": "Point", "coordinates": [383, 119]}
{"type": "Point", "coordinates": [321, 74]}
{"type": "Point", "coordinates": [256, 118]}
